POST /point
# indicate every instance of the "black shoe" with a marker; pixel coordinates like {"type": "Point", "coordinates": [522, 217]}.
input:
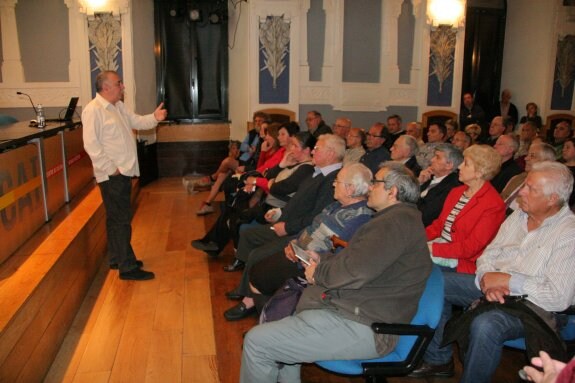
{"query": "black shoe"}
{"type": "Point", "coordinates": [234, 295]}
{"type": "Point", "coordinates": [426, 370]}
{"type": "Point", "coordinates": [239, 311]}
{"type": "Point", "coordinates": [204, 246]}
{"type": "Point", "coordinates": [237, 265]}
{"type": "Point", "coordinates": [137, 275]}
{"type": "Point", "coordinates": [114, 266]}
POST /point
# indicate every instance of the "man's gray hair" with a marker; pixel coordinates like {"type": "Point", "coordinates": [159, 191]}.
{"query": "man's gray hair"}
{"type": "Point", "coordinates": [558, 180]}
{"type": "Point", "coordinates": [411, 144]}
{"type": "Point", "coordinates": [546, 151]}
{"type": "Point", "coordinates": [100, 78]}
{"type": "Point", "coordinates": [452, 154]}
{"type": "Point", "coordinates": [335, 143]}
{"type": "Point", "coordinates": [402, 178]}
{"type": "Point", "coordinates": [514, 142]}
{"type": "Point", "coordinates": [358, 175]}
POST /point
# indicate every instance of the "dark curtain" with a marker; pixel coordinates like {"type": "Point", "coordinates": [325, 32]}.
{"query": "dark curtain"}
{"type": "Point", "coordinates": [192, 59]}
{"type": "Point", "coordinates": [483, 54]}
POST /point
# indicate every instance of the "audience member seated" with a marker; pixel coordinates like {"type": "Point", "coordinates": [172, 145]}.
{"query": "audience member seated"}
{"type": "Point", "coordinates": [273, 149]}
{"type": "Point", "coordinates": [524, 276]}
{"type": "Point", "coordinates": [227, 166]}
{"type": "Point", "coordinates": [438, 180]}
{"type": "Point", "coordinates": [451, 127]}
{"type": "Point", "coordinates": [569, 160]}
{"type": "Point", "coordinates": [414, 130]}
{"type": "Point", "coordinates": [341, 127]}
{"type": "Point", "coordinates": [311, 197]}
{"type": "Point", "coordinates": [538, 152]}
{"type": "Point", "coordinates": [355, 142]}
{"type": "Point", "coordinates": [250, 147]}
{"type": "Point", "coordinates": [461, 140]}
{"type": "Point", "coordinates": [505, 108]}
{"type": "Point", "coordinates": [436, 134]}
{"type": "Point", "coordinates": [350, 290]}
{"type": "Point", "coordinates": [470, 112]}
{"type": "Point", "coordinates": [395, 130]}
{"type": "Point", "coordinates": [404, 150]}
{"type": "Point", "coordinates": [376, 152]}
{"type": "Point", "coordinates": [532, 116]}
{"type": "Point", "coordinates": [563, 131]}
{"type": "Point", "coordinates": [474, 132]}
{"type": "Point", "coordinates": [316, 125]}
{"type": "Point", "coordinates": [506, 146]}
{"type": "Point", "coordinates": [294, 169]}
{"type": "Point", "coordinates": [527, 133]}
{"type": "Point", "coordinates": [496, 129]}
{"type": "Point", "coordinates": [471, 215]}
{"type": "Point", "coordinates": [341, 218]}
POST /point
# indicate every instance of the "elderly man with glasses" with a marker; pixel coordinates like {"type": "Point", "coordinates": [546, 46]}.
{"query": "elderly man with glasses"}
{"type": "Point", "coordinates": [316, 125]}
{"type": "Point", "coordinates": [376, 151]}
{"type": "Point", "coordinates": [350, 290]}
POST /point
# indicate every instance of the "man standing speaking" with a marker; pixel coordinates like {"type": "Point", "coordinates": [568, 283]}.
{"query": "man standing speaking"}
{"type": "Point", "coordinates": [111, 145]}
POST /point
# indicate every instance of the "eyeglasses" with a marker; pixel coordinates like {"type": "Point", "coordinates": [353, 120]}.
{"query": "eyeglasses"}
{"type": "Point", "coordinates": [351, 135]}
{"type": "Point", "coordinates": [375, 181]}
{"type": "Point", "coordinates": [372, 135]}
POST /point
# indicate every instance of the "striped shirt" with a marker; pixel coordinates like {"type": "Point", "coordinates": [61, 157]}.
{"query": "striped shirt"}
{"type": "Point", "coordinates": [446, 232]}
{"type": "Point", "coordinates": [541, 262]}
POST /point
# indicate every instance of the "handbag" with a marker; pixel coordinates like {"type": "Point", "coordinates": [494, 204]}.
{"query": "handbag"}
{"type": "Point", "coordinates": [284, 301]}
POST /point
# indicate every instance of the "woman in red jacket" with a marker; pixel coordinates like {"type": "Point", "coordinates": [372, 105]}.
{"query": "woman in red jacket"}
{"type": "Point", "coordinates": [471, 215]}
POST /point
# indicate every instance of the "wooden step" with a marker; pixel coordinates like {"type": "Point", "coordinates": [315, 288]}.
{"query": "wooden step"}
{"type": "Point", "coordinates": [42, 286]}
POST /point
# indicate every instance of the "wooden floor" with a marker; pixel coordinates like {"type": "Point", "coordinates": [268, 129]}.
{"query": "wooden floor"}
{"type": "Point", "coordinates": [172, 329]}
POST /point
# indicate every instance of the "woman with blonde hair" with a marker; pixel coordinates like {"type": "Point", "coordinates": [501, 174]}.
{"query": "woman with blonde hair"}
{"type": "Point", "coordinates": [471, 215]}
{"type": "Point", "coordinates": [474, 132]}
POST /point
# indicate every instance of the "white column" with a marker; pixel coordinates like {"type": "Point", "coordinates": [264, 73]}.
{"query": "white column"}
{"type": "Point", "coordinates": [12, 70]}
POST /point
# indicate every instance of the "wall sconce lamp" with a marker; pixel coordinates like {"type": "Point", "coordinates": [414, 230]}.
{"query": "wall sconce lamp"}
{"type": "Point", "coordinates": [446, 12]}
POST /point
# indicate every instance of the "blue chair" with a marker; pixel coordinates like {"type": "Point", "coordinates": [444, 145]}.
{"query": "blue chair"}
{"type": "Point", "coordinates": [567, 334]}
{"type": "Point", "coordinates": [7, 120]}
{"type": "Point", "coordinates": [413, 341]}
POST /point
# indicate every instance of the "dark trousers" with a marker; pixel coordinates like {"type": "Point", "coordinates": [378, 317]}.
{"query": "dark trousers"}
{"type": "Point", "coordinates": [256, 244]}
{"type": "Point", "coordinates": [116, 194]}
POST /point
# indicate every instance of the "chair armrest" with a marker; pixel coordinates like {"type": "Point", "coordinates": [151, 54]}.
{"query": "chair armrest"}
{"type": "Point", "coordinates": [568, 311]}
{"type": "Point", "coordinates": [401, 329]}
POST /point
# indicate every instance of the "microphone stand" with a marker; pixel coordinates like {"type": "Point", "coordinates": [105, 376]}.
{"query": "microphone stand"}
{"type": "Point", "coordinates": [31, 102]}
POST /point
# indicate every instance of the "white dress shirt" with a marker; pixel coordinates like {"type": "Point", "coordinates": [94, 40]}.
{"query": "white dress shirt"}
{"type": "Point", "coordinates": [108, 137]}
{"type": "Point", "coordinates": [541, 262]}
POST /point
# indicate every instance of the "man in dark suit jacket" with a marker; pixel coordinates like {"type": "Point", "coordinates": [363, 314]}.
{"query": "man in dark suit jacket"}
{"type": "Point", "coordinates": [506, 145]}
{"type": "Point", "coordinates": [438, 180]}
{"type": "Point", "coordinates": [375, 144]}
{"type": "Point", "coordinates": [316, 125]}
{"type": "Point", "coordinates": [505, 108]}
{"type": "Point", "coordinates": [257, 243]}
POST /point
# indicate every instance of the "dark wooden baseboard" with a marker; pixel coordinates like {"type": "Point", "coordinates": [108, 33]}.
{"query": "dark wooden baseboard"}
{"type": "Point", "coordinates": [176, 159]}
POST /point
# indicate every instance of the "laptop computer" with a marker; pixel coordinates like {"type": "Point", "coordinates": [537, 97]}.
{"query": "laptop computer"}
{"type": "Point", "coordinates": [70, 110]}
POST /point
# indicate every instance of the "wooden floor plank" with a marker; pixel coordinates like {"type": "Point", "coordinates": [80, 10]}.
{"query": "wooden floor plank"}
{"type": "Point", "coordinates": [200, 369]}
{"type": "Point", "coordinates": [161, 365]}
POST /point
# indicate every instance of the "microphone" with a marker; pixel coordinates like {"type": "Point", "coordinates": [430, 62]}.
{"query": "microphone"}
{"type": "Point", "coordinates": [31, 102]}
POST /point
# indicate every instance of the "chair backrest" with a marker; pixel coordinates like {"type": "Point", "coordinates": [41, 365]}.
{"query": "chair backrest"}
{"type": "Point", "coordinates": [7, 120]}
{"type": "Point", "coordinates": [436, 116]}
{"type": "Point", "coordinates": [428, 311]}
{"type": "Point", "coordinates": [410, 348]}
{"type": "Point", "coordinates": [554, 119]}
{"type": "Point", "coordinates": [276, 115]}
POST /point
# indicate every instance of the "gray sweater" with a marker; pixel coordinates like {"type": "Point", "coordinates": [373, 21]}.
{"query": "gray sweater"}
{"type": "Point", "coordinates": [379, 277]}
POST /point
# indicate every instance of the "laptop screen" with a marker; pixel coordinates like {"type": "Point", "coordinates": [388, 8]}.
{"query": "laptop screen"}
{"type": "Point", "coordinates": [71, 109]}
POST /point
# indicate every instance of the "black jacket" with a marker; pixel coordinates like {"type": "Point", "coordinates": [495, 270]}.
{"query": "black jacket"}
{"type": "Point", "coordinates": [432, 204]}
